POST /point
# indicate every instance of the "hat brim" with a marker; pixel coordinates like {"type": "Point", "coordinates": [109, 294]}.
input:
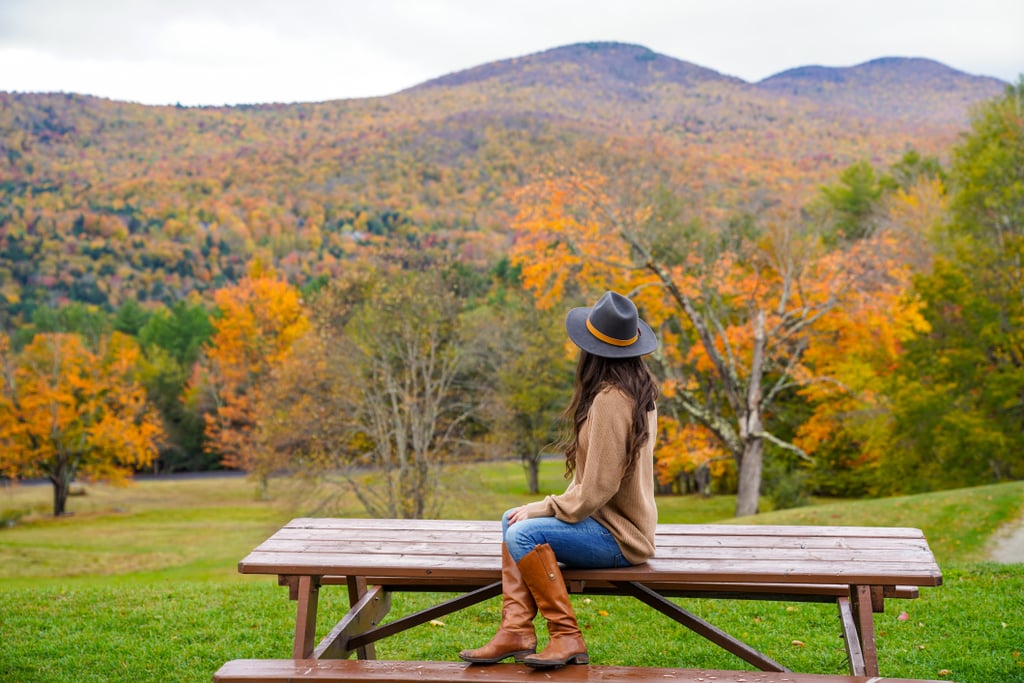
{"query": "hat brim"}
{"type": "Point", "coordinates": [576, 326]}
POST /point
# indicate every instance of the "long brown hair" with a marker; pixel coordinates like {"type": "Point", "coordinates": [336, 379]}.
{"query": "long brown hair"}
{"type": "Point", "coordinates": [593, 375]}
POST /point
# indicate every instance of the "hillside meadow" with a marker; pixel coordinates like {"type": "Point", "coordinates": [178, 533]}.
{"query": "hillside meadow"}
{"type": "Point", "coordinates": [139, 584]}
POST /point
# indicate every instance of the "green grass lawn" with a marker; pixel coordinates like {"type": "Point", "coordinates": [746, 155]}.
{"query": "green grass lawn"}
{"type": "Point", "coordinates": [139, 584]}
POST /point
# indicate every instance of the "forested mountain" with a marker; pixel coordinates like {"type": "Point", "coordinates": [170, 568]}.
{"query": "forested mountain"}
{"type": "Point", "coordinates": [889, 88]}
{"type": "Point", "coordinates": [104, 201]}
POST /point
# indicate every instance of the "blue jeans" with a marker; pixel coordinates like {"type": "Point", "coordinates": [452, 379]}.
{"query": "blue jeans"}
{"type": "Point", "coordinates": [584, 545]}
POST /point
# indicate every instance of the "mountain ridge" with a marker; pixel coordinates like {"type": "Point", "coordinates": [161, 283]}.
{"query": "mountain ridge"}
{"type": "Point", "coordinates": [911, 88]}
{"type": "Point", "coordinates": [905, 66]}
{"type": "Point", "coordinates": [636, 62]}
{"type": "Point", "coordinates": [914, 88]}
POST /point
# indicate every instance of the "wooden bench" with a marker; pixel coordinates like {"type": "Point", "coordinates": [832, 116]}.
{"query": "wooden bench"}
{"type": "Point", "coordinates": [339, 670]}
{"type": "Point", "coordinates": [856, 568]}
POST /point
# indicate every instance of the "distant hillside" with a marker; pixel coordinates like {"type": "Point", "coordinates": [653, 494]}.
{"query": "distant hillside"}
{"type": "Point", "coordinates": [890, 87]}
{"type": "Point", "coordinates": [102, 201]}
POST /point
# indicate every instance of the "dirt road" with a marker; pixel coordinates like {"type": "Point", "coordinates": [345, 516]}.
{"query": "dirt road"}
{"type": "Point", "coordinates": [1008, 545]}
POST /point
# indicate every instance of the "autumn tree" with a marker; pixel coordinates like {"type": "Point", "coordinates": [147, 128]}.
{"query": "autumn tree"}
{"type": "Point", "coordinates": [529, 360]}
{"type": "Point", "coordinates": [305, 416]}
{"type": "Point", "coordinates": [959, 395]}
{"type": "Point", "coordinates": [67, 411]}
{"type": "Point", "coordinates": [847, 416]}
{"type": "Point", "coordinates": [848, 428]}
{"type": "Point", "coordinates": [256, 324]}
{"type": "Point", "coordinates": [375, 395]}
{"type": "Point", "coordinates": [737, 306]}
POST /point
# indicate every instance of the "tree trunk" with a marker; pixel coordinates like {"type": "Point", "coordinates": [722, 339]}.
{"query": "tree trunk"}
{"type": "Point", "coordinates": [748, 495]}
{"type": "Point", "coordinates": [702, 480]}
{"type": "Point", "coordinates": [751, 428]}
{"type": "Point", "coordinates": [532, 475]}
{"type": "Point", "coordinates": [60, 494]}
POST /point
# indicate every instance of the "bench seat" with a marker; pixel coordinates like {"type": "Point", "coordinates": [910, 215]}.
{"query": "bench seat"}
{"type": "Point", "coordinates": [382, 671]}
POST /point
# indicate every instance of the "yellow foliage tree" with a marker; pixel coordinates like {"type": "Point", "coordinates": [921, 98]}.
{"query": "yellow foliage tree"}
{"type": "Point", "coordinates": [258, 321]}
{"type": "Point", "coordinates": [68, 411]}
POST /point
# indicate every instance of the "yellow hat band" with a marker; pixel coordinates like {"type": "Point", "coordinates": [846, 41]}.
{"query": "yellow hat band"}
{"type": "Point", "coordinates": [611, 340]}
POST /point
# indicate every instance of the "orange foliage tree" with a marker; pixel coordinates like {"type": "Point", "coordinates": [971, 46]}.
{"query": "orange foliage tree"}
{"type": "Point", "coordinates": [686, 449]}
{"type": "Point", "coordinates": [258, 321]}
{"type": "Point", "coordinates": [67, 411]}
{"type": "Point", "coordinates": [737, 308]}
{"type": "Point", "coordinates": [849, 428]}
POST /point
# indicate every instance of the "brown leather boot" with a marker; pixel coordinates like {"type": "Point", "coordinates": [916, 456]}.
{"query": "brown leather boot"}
{"type": "Point", "coordinates": [516, 636]}
{"type": "Point", "coordinates": [540, 571]}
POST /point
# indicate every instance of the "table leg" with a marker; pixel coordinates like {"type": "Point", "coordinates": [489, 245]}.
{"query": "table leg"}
{"type": "Point", "coordinates": [305, 616]}
{"type": "Point", "coordinates": [863, 609]}
{"type": "Point", "coordinates": [356, 591]}
{"type": "Point", "coordinates": [854, 655]}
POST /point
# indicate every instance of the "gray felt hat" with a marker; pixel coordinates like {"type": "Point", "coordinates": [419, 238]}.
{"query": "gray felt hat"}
{"type": "Point", "coordinates": [611, 328]}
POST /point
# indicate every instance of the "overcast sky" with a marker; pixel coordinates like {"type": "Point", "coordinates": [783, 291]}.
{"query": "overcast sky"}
{"type": "Point", "coordinates": [244, 51]}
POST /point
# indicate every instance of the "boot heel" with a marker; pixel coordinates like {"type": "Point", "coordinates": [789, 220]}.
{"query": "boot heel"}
{"type": "Point", "coordinates": [580, 659]}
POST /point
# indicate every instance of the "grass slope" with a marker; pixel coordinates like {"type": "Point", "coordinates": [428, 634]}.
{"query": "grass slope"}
{"type": "Point", "coordinates": [140, 585]}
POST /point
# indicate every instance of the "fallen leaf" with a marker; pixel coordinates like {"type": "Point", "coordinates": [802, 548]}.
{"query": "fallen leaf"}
{"type": "Point", "coordinates": [903, 616]}
{"type": "Point", "coordinates": [602, 612]}
{"type": "Point", "coordinates": [798, 643]}
{"type": "Point", "coordinates": [944, 672]}
{"type": "Point", "coordinates": [435, 622]}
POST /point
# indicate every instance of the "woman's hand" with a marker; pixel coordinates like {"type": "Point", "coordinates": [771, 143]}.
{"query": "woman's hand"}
{"type": "Point", "coordinates": [518, 514]}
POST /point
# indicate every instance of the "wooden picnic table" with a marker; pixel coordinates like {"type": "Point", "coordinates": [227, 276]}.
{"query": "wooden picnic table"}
{"type": "Point", "coordinates": [856, 568]}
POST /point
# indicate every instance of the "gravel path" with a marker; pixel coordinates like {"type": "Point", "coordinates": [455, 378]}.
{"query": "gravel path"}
{"type": "Point", "coordinates": [1008, 546]}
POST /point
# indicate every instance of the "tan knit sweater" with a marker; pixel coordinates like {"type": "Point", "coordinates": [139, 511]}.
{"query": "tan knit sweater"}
{"type": "Point", "coordinates": [623, 502]}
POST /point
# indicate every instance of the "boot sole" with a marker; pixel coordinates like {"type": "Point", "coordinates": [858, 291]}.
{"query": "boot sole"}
{"type": "Point", "coordinates": [554, 664]}
{"type": "Point", "coordinates": [518, 656]}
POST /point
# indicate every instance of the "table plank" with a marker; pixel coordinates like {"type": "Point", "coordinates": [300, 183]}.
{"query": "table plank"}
{"type": "Point", "coordinates": [733, 570]}
{"type": "Point", "coordinates": [371, 552]}
{"type": "Point", "coordinates": [449, 525]}
{"type": "Point", "coordinates": [664, 540]}
{"type": "Point", "coordinates": [685, 552]}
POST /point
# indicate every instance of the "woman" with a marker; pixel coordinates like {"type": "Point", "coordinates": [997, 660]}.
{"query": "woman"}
{"type": "Point", "coordinates": [606, 517]}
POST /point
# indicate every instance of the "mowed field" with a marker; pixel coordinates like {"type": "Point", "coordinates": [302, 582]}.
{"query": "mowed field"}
{"type": "Point", "coordinates": [140, 584]}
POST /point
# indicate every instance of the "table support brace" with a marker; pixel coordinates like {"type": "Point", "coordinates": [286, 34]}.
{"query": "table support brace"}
{"type": "Point", "coordinates": [370, 609]}
{"type": "Point", "coordinates": [698, 625]}
{"type": "Point", "coordinates": [372, 635]}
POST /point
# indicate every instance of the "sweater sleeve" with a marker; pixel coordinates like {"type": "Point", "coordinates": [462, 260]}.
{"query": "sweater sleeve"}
{"type": "Point", "coordinates": [600, 473]}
